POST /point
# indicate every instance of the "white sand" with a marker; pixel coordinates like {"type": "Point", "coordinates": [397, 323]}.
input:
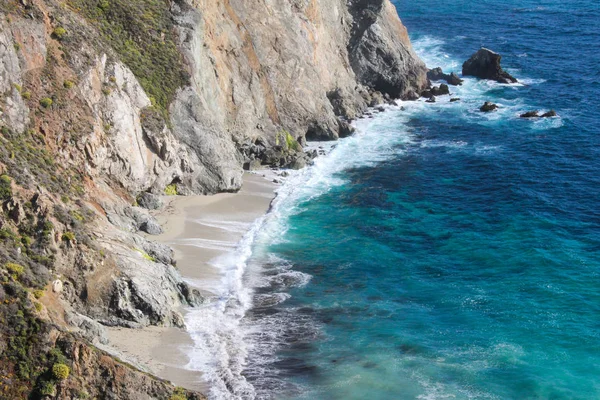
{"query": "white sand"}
{"type": "Point", "coordinates": [199, 228]}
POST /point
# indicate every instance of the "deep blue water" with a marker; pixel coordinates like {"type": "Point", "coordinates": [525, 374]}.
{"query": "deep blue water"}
{"type": "Point", "coordinates": [451, 254]}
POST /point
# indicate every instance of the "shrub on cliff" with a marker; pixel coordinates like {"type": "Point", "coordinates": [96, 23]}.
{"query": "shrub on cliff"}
{"type": "Point", "coordinates": [5, 187]}
{"type": "Point", "coordinates": [171, 190]}
{"type": "Point", "coordinates": [46, 102]}
{"type": "Point", "coordinates": [59, 32]}
{"type": "Point", "coordinates": [60, 371]}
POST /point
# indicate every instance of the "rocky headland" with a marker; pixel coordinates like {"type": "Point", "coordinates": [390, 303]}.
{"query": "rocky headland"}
{"type": "Point", "coordinates": [105, 106]}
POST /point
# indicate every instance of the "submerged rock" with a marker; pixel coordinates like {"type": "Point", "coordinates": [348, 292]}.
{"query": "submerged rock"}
{"type": "Point", "coordinates": [452, 100]}
{"type": "Point", "coordinates": [485, 64]}
{"type": "Point", "coordinates": [488, 106]}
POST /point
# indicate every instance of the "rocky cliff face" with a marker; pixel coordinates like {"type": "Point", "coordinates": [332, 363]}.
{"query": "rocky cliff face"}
{"type": "Point", "coordinates": [103, 101]}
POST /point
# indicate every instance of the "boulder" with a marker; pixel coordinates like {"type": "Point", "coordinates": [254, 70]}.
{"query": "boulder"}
{"type": "Point", "coordinates": [441, 90]}
{"type": "Point", "coordinates": [485, 64]}
{"type": "Point", "coordinates": [151, 227]}
{"type": "Point", "coordinates": [530, 114]}
{"type": "Point", "coordinates": [345, 128]}
{"type": "Point", "coordinates": [149, 201]}
{"type": "Point", "coordinates": [252, 165]}
{"type": "Point", "coordinates": [454, 80]}
{"type": "Point", "coordinates": [430, 100]}
{"type": "Point", "coordinates": [488, 106]}
{"type": "Point", "coordinates": [549, 114]}
{"type": "Point", "coordinates": [436, 74]}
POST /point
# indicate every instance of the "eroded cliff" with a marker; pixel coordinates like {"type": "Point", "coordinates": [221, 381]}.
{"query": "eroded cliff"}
{"type": "Point", "coordinates": [105, 103]}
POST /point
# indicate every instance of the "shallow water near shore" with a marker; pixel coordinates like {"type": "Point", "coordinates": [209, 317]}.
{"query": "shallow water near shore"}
{"type": "Point", "coordinates": [442, 252]}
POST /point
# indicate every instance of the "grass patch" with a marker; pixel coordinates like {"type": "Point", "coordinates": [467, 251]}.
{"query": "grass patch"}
{"type": "Point", "coordinates": [145, 255]}
{"type": "Point", "coordinates": [142, 33]}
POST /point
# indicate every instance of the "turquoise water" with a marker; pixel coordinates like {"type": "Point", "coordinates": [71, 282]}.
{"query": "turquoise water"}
{"type": "Point", "coordinates": [441, 252]}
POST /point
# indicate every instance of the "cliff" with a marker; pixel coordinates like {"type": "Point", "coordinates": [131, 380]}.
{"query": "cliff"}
{"type": "Point", "coordinates": [106, 104]}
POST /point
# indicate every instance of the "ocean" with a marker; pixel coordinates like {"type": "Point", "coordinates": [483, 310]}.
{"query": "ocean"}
{"type": "Point", "coordinates": [441, 252]}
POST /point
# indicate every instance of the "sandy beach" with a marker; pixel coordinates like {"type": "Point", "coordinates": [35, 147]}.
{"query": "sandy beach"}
{"type": "Point", "coordinates": [199, 229]}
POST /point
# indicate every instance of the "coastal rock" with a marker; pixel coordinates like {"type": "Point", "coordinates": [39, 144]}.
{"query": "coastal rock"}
{"type": "Point", "coordinates": [453, 79]}
{"type": "Point", "coordinates": [380, 52]}
{"type": "Point", "coordinates": [530, 114]}
{"type": "Point", "coordinates": [549, 114]}
{"type": "Point", "coordinates": [345, 129]}
{"type": "Point", "coordinates": [431, 100]}
{"type": "Point", "coordinates": [252, 165]}
{"type": "Point", "coordinates": [441, 90]}
{"type": "Point", "coordinates": [149, 201]}
{"type": "Point", "coordinates": [488, 106]}
{"type": "Point", "coordinates": [485, 64]}
{"type": "Point", "coordinates": [437, 74]}
{"type": "Point", "coordinates": [452, 100]}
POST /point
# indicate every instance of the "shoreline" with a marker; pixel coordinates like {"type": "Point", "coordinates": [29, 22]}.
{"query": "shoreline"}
{"type": "Point", "coordinates": [199, 229]}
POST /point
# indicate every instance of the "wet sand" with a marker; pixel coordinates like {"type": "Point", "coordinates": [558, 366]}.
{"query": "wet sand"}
{"type": "Point", "coordinates": [199, 229]}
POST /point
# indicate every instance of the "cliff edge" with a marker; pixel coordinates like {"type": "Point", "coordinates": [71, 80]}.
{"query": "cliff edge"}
{"type": "Point", "coordinates": [106, 104]}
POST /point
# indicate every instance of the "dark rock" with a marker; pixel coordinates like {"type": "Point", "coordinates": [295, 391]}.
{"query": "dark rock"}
{"type": "Point", "coordinates": [454, 80]}
{"type": "Point", "coordinates": [549, 114]}
{"type": "Point", "coordinates": [430, 100]}
{"type": "Point", "coordinates": [436, 74]}
{"type": "Point", "coordinates": [488, 106]}
{"type": "Point", "coordinates": [485, 64]}
{"type": "Point", "coordinates": [151, 227]}
{"type": "Point", "coordinates": [376, 99]}
{"type": "Point", "coordinates": [252, 165]}
{"type": "Point", "coordinates": [452, 100]}
{"type": "Point", "coordinates": [149, 201]}
{"type": "Point", "coordinates": [345, 128]}
{"type": "Point", "coordinates": [441, 90]}
{"type": "Point", "coordinates": [381, 109]}
{"type": "Point", "coordinates": [530, 114]}
{"type": "Point", "coordinates": [427, 94]}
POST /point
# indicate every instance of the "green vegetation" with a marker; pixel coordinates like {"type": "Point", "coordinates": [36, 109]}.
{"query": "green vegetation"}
{"type": "Point", "coordinates": [178, 394]}
{"type": "Point", "coordinates": [15, 270]}
{"type": "Point", "coordinates": [26, 95]}
{"type": "Point", "coordinates": [48, 389]}
{"type": "Point", "coordinates": [142, 33]}
{"type": "Point", "coordinates": [46, 102]}
{"type": "Point", "coordinates": [171, 190]}
{"type": "Point", "coordinates": [287, 141]}
{"type": "Point", "coordinates": [60, 371]}
{"type": "Point", "coordinates": [68, 237]}
{"type": "Point", "coordinates": [59, 32]}
{"type": "Point", "coordinates": [38, 293]}
{"type": "Point", "coordinates": [68, 84]}
{"type": "Point", "coordinates": [17, 46]}
{"type": "Point", "coordinates": [18, 87]}
{"type": "Point", "coordinates": [146, 256]}
{"type": "Point", "coordinates": [5, 187]}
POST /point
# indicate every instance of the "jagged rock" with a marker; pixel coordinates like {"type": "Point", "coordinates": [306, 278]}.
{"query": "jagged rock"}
{"type": "Point", "coordinates": [485, 64]}
{"type": "Point", "coordinates": [151, 227]}
{"type": "Point", "coordinates": [376, 99]}
{"type": "Point", "coordinates": [149, 201]}
{"type": "Point", "coordinates": [488, 106]}
{"type": "Point", "coordinates": [436, 74]}
{"type": "Point", "coordinates": [453, 79]}
{"type": "Point", "coordinates": [91, 330]}
{"type": "Point", "coordinates": [530, 114]}
{"type": "Point", "coordinates": [15, 210]}
{"type": "Point", "coordinates": [345, 129]}
{"type": "Point", "coordinates": [441, 90]}
{"type": "Point", "coordinates": [549, 114]}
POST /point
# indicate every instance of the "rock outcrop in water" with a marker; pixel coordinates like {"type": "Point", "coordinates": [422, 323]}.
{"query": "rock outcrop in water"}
{"type": "Point", "coordinates": [437, 74]}
{"type": "Point", "coordinates": [488, 106]}
{"type": "Point", "coordinates": [485, 64]}
{"type": "Point", "coordinates": [106, 105]}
